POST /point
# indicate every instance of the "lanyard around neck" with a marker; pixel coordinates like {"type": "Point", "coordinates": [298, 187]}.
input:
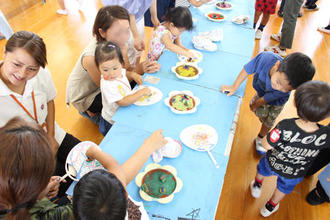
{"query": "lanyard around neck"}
{"type": "Point", "coordinates": [27, 112]}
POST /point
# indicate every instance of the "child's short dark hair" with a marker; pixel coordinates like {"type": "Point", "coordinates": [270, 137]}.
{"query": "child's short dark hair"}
{"type": "Point", "coordinates": [312, 101]}
{"type": "Point", "coordinates": [180, 17]}
{"type": "Point", "coordinates": [298, 67]}
{"type": "Point", "coordinates": [107, 51]}
{"type": "Point", "coordinates": [105, 18]}
{"type": "Point", "coordinates": [99, 195]}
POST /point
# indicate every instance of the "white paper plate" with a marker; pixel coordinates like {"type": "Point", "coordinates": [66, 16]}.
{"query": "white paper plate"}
{"type": "Point", "coordinates": [241, 19]}
{"type": "Point", "coordinates": [155, 97]}
{"type": "Point", "coordinates": [77, 158]}
{"type": "Point", "coordinates": [225, 9]}
{"type": "Point", "coordinates": [200, 137]}
{"type": "Point", "coordinates": [197, 58]}
{"type": "Point", "coordinates": [172, 149]}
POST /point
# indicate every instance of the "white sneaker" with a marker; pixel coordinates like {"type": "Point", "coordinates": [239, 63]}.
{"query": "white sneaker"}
{"type": "Point", "coordinates": [265, 212]}
{"type": "Point", "coordinates": [204, 43]}
{"type": "Point", "coordinates": [322, 29]}
{"type": "Point", "coordinates": [215, 35]}
{"type": "Point", "coordinates": [258, 34]}
{"type": "Point", "coordinates": [276, 37]}
{"type": "Point", "coordinates": [255, 191]}
{"type": "Point", "coordinates": [259, 148]}
{"type": "Point", "coordinates": [276, 49]}
{"type": "Point", "coordinates": [62, 12]}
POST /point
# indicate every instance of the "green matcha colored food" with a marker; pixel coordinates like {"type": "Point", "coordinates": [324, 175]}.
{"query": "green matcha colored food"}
{"type": "Point", "coordinates": [158, 183]}
{"type": "Point", "coordinates": [182, 102]}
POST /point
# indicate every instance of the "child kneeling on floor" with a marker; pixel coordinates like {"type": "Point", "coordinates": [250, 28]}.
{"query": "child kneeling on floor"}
{"type": "Point", "coordinates": [294, 143]}
{"type": "Point", "coordinates": [115, 87]}
{"type": "Point", "coordinates": [274, 78]}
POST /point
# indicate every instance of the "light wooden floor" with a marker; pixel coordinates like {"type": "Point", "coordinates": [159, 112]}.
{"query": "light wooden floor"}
{"type": "Point", "coordinates": [66, 37]}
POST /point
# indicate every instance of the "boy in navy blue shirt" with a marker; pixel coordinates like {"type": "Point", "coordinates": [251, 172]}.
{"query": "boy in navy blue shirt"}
{"type": "Point", "coordinates": [274, 78]}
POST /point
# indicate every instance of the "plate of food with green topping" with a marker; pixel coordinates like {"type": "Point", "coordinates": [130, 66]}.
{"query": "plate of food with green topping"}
{"type": "Point", "coordinates": [158, 183]}
{"type": "Point", "coordinates": [182, 102]}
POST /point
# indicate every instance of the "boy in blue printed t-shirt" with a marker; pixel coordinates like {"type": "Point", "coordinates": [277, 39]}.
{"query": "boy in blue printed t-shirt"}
{"type": "Point", "coordinates": [274, 78]}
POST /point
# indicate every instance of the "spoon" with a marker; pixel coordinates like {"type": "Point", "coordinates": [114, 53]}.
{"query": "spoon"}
{"type": "Point", "coordinates": [70, 172]}
{"type": "Point", "coordinates": [213, 159]}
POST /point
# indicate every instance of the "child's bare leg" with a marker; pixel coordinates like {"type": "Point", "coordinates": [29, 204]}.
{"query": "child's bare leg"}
{"type": "Point", "coordinates": [61, 4]}
{"type": "Point", "coordinates": [256, 17]}
{"type": "Point", "coordinates": [272, 204]}
{"type": "Point", "coordinates": [277, 196]}
{"type": "Point", "coordinates": [263, 131]}
{"type": "Point", "coordinates": [260, 177]}
{"type": "Point", "coordinates": [256, 185]}
{"type": "Point", "coordinates": [265, 19]}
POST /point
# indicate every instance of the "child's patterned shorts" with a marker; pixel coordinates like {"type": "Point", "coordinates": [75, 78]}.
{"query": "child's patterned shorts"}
{"type": "Point", "coordinates": [266, 6]}
{"type": "Point", "coordinates": [267, 114]}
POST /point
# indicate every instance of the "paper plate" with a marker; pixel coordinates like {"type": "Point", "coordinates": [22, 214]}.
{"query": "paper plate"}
{"type": "Point", "coordinates": [187, 66]}
{"type": "Point", "coordinates": [156, 96]}
{"type": "Point", "coordinates": [197, 58]}
{"type": "Point", "coordinates": [187, 96]}
{"type": "Point", "coordinates": [215, 16]}
{"type": "Point", "coordinates": [219, 5]}
{"type": "Point", "coordinates": [77, 158]}
{"type": "Point", "coordinates": [241, 19]}
{"type": "Point", "coordinates": [172, 149]}
{"type": "Point", "coordinates": [211, 2]}
{"type": "Point", "coordinates": [166, 169]}
{"type": "Point", "coordinates": [199, 137]}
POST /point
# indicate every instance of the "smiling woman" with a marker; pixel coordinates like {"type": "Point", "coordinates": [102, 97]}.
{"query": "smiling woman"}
{"type": "Point", "coordinates": [27, 90]}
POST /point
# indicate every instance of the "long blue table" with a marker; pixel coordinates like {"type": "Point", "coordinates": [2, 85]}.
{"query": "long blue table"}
{"type": "Point", "coordinates": [202, 181]}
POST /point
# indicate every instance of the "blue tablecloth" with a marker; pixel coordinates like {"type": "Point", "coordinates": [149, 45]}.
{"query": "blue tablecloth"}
{"type": "Point", "coordinates": [202, 181]}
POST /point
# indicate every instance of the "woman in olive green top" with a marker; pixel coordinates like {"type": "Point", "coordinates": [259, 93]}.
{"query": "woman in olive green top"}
{"type": "Point", "coordinates": [26, 167]}
{"type": "Point", "coordinates": [83, 86]}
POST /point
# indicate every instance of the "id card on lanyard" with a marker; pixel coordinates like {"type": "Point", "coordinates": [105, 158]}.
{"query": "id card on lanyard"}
{"type": "Point", "coordinates": [35, 118]}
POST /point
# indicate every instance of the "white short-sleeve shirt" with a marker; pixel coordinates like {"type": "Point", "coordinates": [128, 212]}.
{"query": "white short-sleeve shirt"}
{"type": "Point", "coordinates": [113, 91]}
{"type": "Point", "coordinates": [44, 91]}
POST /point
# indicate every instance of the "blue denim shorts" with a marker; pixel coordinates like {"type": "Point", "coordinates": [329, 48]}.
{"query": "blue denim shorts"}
{"type": "Point", "coordinates": [104, 126]}
{"type": "Point", "coordinates": [285, 185]}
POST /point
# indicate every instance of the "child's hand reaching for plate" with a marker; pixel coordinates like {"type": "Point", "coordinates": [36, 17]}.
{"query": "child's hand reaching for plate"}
{"type": "Point", "coordinates": [145, 91]}
{"type": "Point", "coordinates": [229, 90]}
{"type": "Point", "coordinates": [155, 141]}
{"type": "Point", "coordinates": [190, 56]}
{"type": "Point", "coordinates": [92, 152]}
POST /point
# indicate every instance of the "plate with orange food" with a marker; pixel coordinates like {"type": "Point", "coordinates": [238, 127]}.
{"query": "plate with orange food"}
{"type": "Point", "coordinates": [215, 16]}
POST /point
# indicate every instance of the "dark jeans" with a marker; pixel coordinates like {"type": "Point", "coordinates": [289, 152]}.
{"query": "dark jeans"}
{"type": "Point", "coordinates": [282, 6]}
{"type": "Point", "coordinates": [104, 126]}
{"type": "Point", "coordinates": [96, 106]}
{"type": "Point", "coordinates": [162, 8]}
{"type": "Point", "coordinates": [67, 144]}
